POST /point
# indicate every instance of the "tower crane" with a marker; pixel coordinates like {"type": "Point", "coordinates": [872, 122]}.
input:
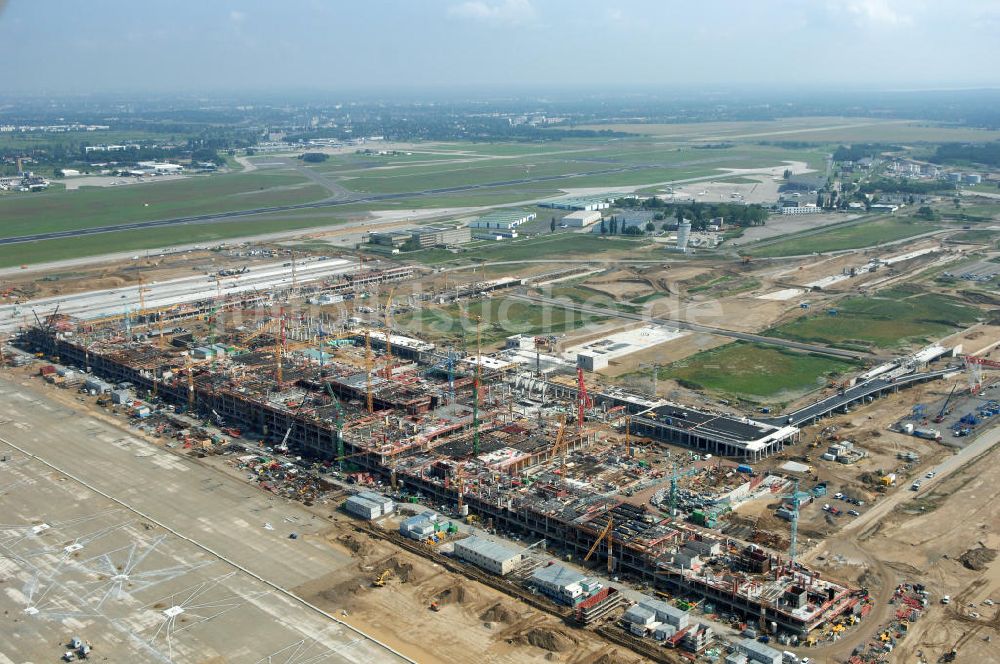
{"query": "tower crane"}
{"type": "Point", "coordinates": [676, 475]}
{"type": "Point", "coordinates": [368, 371]}
{"type": "Point", "coordinates": [606, 534]}
{"type": "Point", "coordinates": [475, 387]}
{"type": "Point", "coordinates": [583, 399]}
{"type": "Point", "coordinates": [794, 529]}
{"type": "Point", "coordinates": [388, 340]}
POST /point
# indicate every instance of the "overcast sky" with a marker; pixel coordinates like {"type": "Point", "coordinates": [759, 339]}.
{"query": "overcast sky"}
{"type": "Point", "coordinates": [51, 46]}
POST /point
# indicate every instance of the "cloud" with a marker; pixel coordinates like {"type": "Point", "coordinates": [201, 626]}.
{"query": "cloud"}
{"type": "Point", "coordinates": [237, 16]}
{"type": "Point", "coordinates": [876, 13]}
{"type": "Point", "coordinates": [507, 12]}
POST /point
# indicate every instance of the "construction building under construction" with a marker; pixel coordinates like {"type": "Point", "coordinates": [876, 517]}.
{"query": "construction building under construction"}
{"type": "Point", "coordinates": [445, 429]}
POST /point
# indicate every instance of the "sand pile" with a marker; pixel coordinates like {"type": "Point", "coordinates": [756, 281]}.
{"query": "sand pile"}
{"type": "Point", "coordinates": [357, 545]}
{"type": "Point", "coordinates": [977, 559]}
{"type": "Point", "coordinates": [500, 613]}
{"type": "Point", "coordinates": [554, 640]}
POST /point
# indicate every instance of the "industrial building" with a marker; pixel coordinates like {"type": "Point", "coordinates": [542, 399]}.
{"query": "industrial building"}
{"type": "Point", "coordinates": [502, 220]}
{"type": "Point", "coordinates": [587, 203]}
{"type": "Point", "coordinates": [490, 556]}
{"type": "Point", "coordinates": [808, 208]}
{"type": "Point", "coordinates": [431, 236]}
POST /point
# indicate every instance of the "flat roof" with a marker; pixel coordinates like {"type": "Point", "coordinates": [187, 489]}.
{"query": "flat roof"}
{"type": "Point", "coordinates": [726, 428]}
{"type": "Point", "coordinates": [492, 550]}
{"type": "Point", "coordinates": [557, 575]}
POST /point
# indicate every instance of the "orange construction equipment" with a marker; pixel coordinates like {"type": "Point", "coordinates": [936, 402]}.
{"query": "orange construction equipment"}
{"type": "Point", "coordinates": [606, 534]}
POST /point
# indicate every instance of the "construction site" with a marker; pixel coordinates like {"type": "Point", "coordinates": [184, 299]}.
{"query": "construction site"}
{"type": "Point", "coordinates": [483, 438]}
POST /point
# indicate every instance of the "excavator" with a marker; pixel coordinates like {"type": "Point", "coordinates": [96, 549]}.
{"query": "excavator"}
{"type": "Point", "coordinates": [382, 578]}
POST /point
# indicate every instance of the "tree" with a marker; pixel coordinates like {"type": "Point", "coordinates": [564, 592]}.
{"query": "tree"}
{"type": "Point", "coordinates": [926, 212]}
{"type": "Point", "coordinates": [552, 225]}
{"type": "Point", "coordinates": [679, 214]}
{"type": "Point", "coordinates": [665, 227]}
{"type": "Point", "coordinates": [604, 227]}
{"type": "Point", "coordinates": [650, 227]}
{"type": "Point", "coordinates": [314, 157]}
{"type": "Point", "coordinates": [787, 174]}
{"type": "Point", "coordinates": [614, 225]}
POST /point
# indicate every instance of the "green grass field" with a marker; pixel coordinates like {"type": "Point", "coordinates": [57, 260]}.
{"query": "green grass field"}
{"type": "Point", "coordinates": [501, 318]}
{"type": "Point", "coordinates": [156, 238]}
{"type": "Point", "coordinates": [815, 129]}
{"type": "Point", "coordinates": [755, 372]}
{"type": "Point", "coordinates": [100, 206]}
{"type": "Point", "coordinates": [850, 236]}
{"type": "Point", "coordinates": [890, 320]}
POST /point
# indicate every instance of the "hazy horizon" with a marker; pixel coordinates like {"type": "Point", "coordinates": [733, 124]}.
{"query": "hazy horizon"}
{"type": "Point", "coordinates": [62, 47]}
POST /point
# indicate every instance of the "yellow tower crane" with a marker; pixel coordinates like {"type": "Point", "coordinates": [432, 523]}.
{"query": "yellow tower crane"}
{"type": "Point", "coordinates": [606, 534]}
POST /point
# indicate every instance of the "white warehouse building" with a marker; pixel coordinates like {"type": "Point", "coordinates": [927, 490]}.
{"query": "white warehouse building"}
{"type": "Point", "coordinates": [490, 556]}
{"type": "Point", "coordinates": [581, 218]}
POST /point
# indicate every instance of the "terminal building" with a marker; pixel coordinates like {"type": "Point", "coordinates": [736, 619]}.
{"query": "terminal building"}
{"type": "Point", "coordinates": [713, 433]}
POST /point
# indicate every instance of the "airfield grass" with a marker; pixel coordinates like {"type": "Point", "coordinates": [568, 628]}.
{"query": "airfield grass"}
{"type": "Point", "coordinates": [657, 164]}
{"type": "Point", "coordinates": [892, 319]}
{"type": "Point", "coordinates": [813, 129]}
{"type": "Point", "coordinates": [500, 318]}
{"type": "Point", "coordinates": [100, 206]}
{"type": "Point", "coordinates": [854, 236]}
{"type": "Point", "coordinates": [755, 371]}
{"type": "Point", "coordinates": [28, 253]}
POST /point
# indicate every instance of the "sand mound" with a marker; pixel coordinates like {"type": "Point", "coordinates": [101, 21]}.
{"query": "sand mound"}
{"type": "Point", "coordinates": [614, 657]}
{"type": "Point", "coordinates": [500, 613]}
{"type": "Point", "coordinates": [401, 569]}
{"type": "Point", "coordinates": [554, 640]}
{"type": "Point", "coordinates": [977, 559]}
{"type": "Point", "coordinates": [457, 594]}
{"type": "Point", "coordinates": [357, 545]}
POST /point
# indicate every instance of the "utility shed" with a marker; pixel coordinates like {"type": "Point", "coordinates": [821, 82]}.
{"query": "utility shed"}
{"type": "Point", "coordinates": [758, 652]}
{"type": "Point", "coordinates": [490, 556]}
{"type": "Point", "coordinates": [362, 507]}
{"type": "Point", "coordinates": [387, 505]}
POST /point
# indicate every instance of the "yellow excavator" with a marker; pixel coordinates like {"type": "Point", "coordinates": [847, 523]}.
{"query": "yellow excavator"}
{"type": "Point", "coordinates": [381, 579]}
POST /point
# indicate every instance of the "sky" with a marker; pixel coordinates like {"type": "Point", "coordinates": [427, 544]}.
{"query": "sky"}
{"type": "Point", "coordinates": [68, 46]}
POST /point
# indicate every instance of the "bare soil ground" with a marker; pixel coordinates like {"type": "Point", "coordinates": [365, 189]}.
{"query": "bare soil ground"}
{"type": "Point", "coordinates": [472, 619]}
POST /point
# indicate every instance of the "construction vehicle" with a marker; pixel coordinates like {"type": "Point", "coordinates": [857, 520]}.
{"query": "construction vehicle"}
{"type": "Point", "coordinates": [382, 578]}
{"type": "Point", "coordinates": [944, 408]}
{"type": "Point", "coordinates": [434, 606]}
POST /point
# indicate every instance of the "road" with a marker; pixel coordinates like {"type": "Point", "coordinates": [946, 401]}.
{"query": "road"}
{"type": "Point", "coordinates": [94, 304]}
{"type": "Point", "coordinates": [694, 327]}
